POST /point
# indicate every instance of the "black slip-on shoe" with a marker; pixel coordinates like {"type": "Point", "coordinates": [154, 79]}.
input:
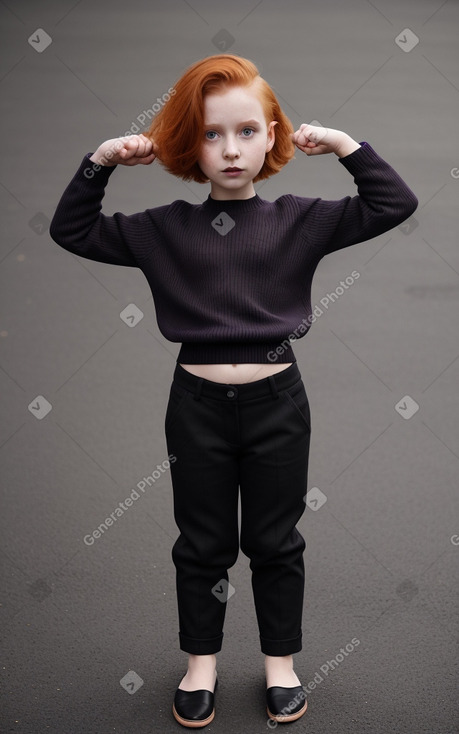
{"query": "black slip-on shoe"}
{"type": "Point", "coordinates": [194, 709]}
{"type": "Point", "coordinates": [286, 704]}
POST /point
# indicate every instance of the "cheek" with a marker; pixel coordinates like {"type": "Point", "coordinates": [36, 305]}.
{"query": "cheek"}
{"type": "Point", "coordinates": [205, 157]}
{"type": "Point", "coordinates": [261, 151]}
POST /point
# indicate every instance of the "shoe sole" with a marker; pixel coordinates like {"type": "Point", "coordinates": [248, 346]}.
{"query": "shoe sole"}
{"type": "Point", "coordinates": [190, 723]}
{"type": "Point", "coordinates": [284, 719]}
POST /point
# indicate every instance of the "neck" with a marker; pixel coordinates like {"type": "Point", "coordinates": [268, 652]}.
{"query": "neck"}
{"type": "Point", "coordinates": [220, 194]}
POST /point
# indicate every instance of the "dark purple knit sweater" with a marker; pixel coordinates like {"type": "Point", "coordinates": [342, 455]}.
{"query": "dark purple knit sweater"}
{"type": "Point", "coordinates": [231, 280]}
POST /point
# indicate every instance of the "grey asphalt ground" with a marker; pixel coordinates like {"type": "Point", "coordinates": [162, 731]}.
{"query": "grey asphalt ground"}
{"type": "Point", "coordinates": [89, 632]}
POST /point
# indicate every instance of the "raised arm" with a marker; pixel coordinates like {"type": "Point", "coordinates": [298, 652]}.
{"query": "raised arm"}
{"type": "Point", "coordinates": [383, 201]}
{"type": "Point", "coordinates": [78, 225]}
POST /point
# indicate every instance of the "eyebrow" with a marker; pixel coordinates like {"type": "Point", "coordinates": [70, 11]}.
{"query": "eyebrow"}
{"type": "Point", "coordinates": [245, 122]}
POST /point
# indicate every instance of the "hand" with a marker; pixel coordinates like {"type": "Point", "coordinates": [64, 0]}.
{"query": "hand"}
{"type": "Point", "coordinates": [130, 150]}
{"type": "Point", "coordinates": [315, 140]}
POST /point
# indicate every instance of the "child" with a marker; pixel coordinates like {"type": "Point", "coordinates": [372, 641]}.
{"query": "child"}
{"type": "Point", "coordinates": [231, 280]}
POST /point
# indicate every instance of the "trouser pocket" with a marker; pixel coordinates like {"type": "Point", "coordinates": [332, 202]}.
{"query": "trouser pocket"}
{"type": "Point", "coordinates": [296, 396]}
{"type": "Point", "coordinates": [177, 397]}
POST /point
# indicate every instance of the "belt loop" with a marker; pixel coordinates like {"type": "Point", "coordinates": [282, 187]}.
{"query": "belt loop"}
{"type": "Point", "coordinates": [197, 394]}
{"type": "Point", "coordinates": [273, 386]}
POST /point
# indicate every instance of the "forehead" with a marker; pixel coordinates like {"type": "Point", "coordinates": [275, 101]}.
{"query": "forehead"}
{"type": "Point", "coordinates": [232, 104]}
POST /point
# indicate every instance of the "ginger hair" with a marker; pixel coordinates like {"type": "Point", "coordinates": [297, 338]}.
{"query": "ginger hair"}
{"type": "Point", "coordinates": [178, 128]}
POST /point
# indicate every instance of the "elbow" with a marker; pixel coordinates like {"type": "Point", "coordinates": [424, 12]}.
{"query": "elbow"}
{"type": "Point", "coordinates": [407, 207]}
{"type": "Point", "coordinates": [62, 237]}
{"type": "Point", "coordinates": [412, 204]}
{"type": "Point", "coordinates": [55, 231]}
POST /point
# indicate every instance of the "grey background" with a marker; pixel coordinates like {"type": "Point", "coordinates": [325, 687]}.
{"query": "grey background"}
{"type": "Point", "coordinates": [381, 557]}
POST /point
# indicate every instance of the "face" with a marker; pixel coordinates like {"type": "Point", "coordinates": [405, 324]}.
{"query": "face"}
{"type": "Point", "coordinates": [235, 136]}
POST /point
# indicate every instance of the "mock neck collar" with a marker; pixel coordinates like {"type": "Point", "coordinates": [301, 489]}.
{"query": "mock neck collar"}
{"type": "Point", "coordinates": [234, 205]}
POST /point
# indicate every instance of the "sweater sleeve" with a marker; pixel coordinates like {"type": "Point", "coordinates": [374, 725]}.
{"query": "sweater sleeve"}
{"type": "Point", "coordinates": [383, 201]}
{"type": "Point", "coordinates": [79, 226]}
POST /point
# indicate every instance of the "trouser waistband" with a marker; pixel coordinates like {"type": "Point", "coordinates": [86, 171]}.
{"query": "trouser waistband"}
{"type": "Point", "coordinates": [271, 385]}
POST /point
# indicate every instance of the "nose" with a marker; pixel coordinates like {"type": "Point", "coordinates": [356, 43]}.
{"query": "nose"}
{"type": "Point", "coordinates": [231, 149]}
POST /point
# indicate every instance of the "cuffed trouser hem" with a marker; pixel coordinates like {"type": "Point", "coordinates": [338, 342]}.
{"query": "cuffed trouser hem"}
{"type": "Point", "coordinates": [209, 646]}
{"type": "Point", "coordinates": [281, 647]}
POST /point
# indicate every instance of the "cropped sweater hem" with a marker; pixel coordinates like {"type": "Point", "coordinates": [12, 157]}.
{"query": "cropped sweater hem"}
{"type": "Point", "coordinates": [236, 353]}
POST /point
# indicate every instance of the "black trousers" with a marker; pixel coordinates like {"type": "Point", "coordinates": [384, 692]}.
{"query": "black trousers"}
{"type": "Point", "coordinates": [253, 437]}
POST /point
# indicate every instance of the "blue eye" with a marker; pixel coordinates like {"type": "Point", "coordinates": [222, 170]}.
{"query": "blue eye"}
{"type": "Point", "coordinates": [212, 135]}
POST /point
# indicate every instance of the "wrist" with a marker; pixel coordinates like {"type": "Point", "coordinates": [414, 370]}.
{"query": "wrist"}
{"type": "Point", "coordinates": [346, 146]}
{"type": "Point", "coordinates": [101, 159]}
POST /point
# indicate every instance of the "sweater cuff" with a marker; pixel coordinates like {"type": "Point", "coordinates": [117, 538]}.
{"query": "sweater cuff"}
{"type": "Point", "coordinates": [359, 160]}
{"type": "Point", "coordinates": [91, 170]}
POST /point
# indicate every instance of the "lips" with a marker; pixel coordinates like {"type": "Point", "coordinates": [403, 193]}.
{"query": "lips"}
{"type": "Point", "coordinates": [232, 169]}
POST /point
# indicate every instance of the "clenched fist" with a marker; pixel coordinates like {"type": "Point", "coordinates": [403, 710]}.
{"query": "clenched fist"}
{"type": "Point", "coordinates": [129, 151]}
{"type": "Point", "coordinates": [315, 140]}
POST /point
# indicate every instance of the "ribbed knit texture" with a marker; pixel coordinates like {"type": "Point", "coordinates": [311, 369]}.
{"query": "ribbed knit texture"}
{"type": "Point", "coordinates": [231, 280]}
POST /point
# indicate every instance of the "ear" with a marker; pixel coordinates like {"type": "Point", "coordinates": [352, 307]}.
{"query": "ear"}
{"type": "Point", "coordinates": [271, 136]}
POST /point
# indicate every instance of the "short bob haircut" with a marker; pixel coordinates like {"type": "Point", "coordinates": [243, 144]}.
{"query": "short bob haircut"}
{"type": "Point", "coordinates": [178, 128]}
